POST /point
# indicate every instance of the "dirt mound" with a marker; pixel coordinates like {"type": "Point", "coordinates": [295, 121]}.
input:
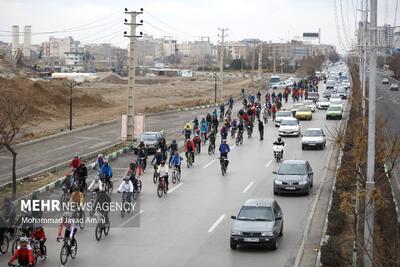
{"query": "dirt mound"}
{"type": "Point", "coordinates": [113, 78]}
{"type": "Point", "coordinates": [51, 99]}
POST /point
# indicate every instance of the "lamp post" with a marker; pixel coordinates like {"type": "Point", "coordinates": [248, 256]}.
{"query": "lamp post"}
{"type": "Point", "coordinates": [215, 88]}
{"type": "Point", "coordinates": [71, 84]}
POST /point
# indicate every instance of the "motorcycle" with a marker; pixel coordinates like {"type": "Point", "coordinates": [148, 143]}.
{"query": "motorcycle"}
{"type": "Point", "coordinates": [278, 152]}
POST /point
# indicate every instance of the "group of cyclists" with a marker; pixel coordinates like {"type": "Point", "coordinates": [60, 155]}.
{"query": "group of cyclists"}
{"type": "Point", "coordinates": [196, 134]}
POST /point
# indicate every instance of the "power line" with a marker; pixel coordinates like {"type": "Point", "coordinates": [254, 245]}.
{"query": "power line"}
{"type": "Point", "coordinates": [338, 34]}
{"type": "Point", "coordinates": [345, 34]}
{"type": "Point", "coordinates": [101, 31]}
{"type": "Point", "coordinates": [395, 13]}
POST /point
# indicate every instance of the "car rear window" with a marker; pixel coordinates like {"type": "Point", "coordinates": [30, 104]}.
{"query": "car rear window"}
{"type": "Point", "coordinates": [312, 133]}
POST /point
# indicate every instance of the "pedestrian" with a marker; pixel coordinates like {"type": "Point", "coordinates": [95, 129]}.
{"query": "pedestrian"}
{"type": "Point", "coordinates": [261, 129]}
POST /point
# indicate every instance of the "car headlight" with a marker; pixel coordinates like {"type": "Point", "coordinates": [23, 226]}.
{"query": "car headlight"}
{"type": "Point", "coordinates": [303, 183]}
{"type": "Point", "coordinates": [236, 233]}
{"type": "Point", "coordinates": [278, 182]}
{"type": "Point", "coordinates": [268, 233]}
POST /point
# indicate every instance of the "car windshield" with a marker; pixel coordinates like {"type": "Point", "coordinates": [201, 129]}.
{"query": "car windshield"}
{"type": "Point", "coordinates": [297, 106]}
{"type": "Point", "coordinates": [289, 122]}
{"type": "Point", "coordinates": [148, 137]}
{"type": "Point", "coordinates": [292, 169]}
{"type": "Point", "coordinates": [323, 100]}
{"type": "Point", "coordinates": [255, 214]}
{"type": "Point", "coordinates": [304, 108]}
{"type": "Point", "coordinates": [312, 133]}
{"type": "Point", "coordinates": [336, 100]}
{"type": "Point", "coordinates": [284, 114]}
{"type": "Point", "coordinates": [334, 108]}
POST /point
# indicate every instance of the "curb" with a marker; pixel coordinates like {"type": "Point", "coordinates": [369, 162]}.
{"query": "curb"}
{"type": "Point", "coordinates": [57, 183]}
{"type": "Point", "coordinates": [396, 206]}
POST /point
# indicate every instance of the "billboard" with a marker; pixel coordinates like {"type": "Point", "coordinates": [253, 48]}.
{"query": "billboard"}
{"type": "Point", "coordinates": [311, 34]}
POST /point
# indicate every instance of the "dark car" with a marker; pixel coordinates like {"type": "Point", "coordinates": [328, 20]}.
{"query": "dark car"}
{"type": "Point", "coordinates": [259, 223]}
{"type": "Point", "coordinates": [293, 176]}
{"type": "Point", "coordinates": [314, 96]}
{"type": "Point", "coordinates": [151, 139]}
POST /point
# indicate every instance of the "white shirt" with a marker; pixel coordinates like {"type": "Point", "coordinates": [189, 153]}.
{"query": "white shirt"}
{"type": "Point", "coordinates": [162, 171]}
{"type": "Point", "coordinates": [126, 187]}
{"type": "Point", "coordinates": [96, 185]}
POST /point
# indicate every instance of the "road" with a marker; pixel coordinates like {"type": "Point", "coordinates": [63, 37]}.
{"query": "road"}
{"type": "Point", "coordinates": [191, 226]}
{"type": "Point", "coordinates": [388, 107]}
{"type": "Point", "coordinates": [37, 156]}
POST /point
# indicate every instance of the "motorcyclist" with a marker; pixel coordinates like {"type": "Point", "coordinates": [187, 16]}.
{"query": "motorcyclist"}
{"type": "Point", "coordinates": [279, 142]}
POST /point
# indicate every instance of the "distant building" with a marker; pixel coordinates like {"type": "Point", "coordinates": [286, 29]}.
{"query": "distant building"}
{"type": "Point", "coordinates": [148, 49]}
{"type": "Point", "coordinates": [236, 50]}
{"type": "Point", "coordinates": [55, 48]}
{"type": "Point", "coordinates": [74, 58]}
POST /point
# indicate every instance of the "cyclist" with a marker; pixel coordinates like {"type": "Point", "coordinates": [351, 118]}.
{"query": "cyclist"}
{"type": "Point", "coordinates": [224, 132]}
{"type": "Point", "coordinates": [215, 113]}
{"type": "Point", "coordinates": [222, 111]}
{"type": "Point", "coordinates": [40, 235]}
{"type": "Point", "coordinates": [99, 161]}
{"type": "Point", "coordinates": [195, 123]}
{"type": "Point", "coordinates": [163, 172]}
{"type": "Point", "coordinates": [212, 138]}
{"type": "Point", "coordinates": [231, 101]}
{"type": "Point", "coordinates": [126, 187]}
{"type": "Point", "coordinates": [82, 174]}
{"type": "Point", "coordinates": [131, 172]}
{"type": "Point", "coordinates": [189, 147]}
{"type": "Point", "coordinates": [158, 157]}
{"type": "Point", "coordinates": [234, 125]}
{"type": "Point", "coordinates": [106, 172]}
{"type": "Point", "coordinates": [163, 146]}
{"type": "Point", "coordinates": [176, 161]}
{"type": "Point", "coordinates": [258, 95]}
{"type": "Point", "coordinates": [224, 149]}
{"type": "Point", "coordinates": [273, 111]}
{"type": "Point", "coordinates": [23, 254]}
{"type": "Point", "coordinates": [172, 148]}
{"type": "Point", "coordinates": [142, 154]}
{"type": "Point", "coordinates": [75, 162]}
{"type": "Point", "coordinates": [209, 121]}
{"type": "Point", "coordinates": [8, 212]}
{"type": "Point", "coordinates": [96, 185]}
{"type": "Point", "coordinates": [70, 228]}
{"type": "Point", "coordinates": [68, 182]}
{"type": "Point", "coordinates": [187, 131]}
{"type": "Point", "coordinates": [197, 142]}
{"type": "Point", "coordinates": [215, 123]}
{"type": "Point", "coordinates": [204, 128]}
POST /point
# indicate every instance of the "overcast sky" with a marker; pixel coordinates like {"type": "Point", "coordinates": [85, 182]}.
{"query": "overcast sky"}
{"type": "Point", "coordinates": [102, 21]}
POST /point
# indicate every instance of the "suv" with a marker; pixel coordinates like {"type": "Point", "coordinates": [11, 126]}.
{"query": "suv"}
{"type": "Point", "coordinates": [259, 222]}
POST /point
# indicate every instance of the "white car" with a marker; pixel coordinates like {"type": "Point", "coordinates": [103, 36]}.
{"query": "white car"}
{"type": "Point", "coordinates": [336, 102]}
{"type": "Point", "coordinates": [335, 96]}
{"type": "Point", "coordinates": [313, 137]}
{"type": "Point", "coordinates": [280, 85]}
{"type": "Point", "coordinates": [385, 81]}
{"type": "Point", "coordinates": [290, 127]}
{"type": "Point", "coordinates": [342, 92]}
{"type": "Point", "coordinates": [310, 104]}
{"type": "Point", "coordinates": [282, 114]}
{"type": "Point", "coordinates": [323, 103]}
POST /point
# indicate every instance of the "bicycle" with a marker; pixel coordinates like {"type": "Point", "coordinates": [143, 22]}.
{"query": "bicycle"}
{"type": "Point", "coordinates": [223, 163]}
{"type": "Point", "coordinates": [211, 148]}
{"type": "Point", "coordinates": [5, 244]}
{"type": "Point", "coordinates": [92, 201]}
{"type": "Point", "coordinates": [239, 138]}
{"type": "Point", "coordinates": [162, 187]}
{"type": "Point", "coordinates": [67, 250]}
{"type": "Point", "coordinates": [123, 201]}
{"type": "Point", "coordinates": [108, 184]}
{"type": "Point", "coordinates": [81, 216]}
{"type": "Point", "coordinates": [101, 226]}
{"type": "Point", "coordinates": [233, 132]}
{"type": "Point", "coordinates": [155, 174]}
{"type": "Point", "coordinates": [36, 251]}
{"type": "Point", "coordinates": [175, 175]}
{"type": "Point", "coordinates": [203, 139]}
{"type": "Point", "coordinates": [138, 189]}
{"type": "Point", "coordinates": [189, 159]}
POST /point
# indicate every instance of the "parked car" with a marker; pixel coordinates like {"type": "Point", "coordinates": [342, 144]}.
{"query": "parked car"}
{"type": "Point", "coordinates": [323, 103]}
{"type": "Point", "coordinates": [313, 138]}
{"type": "Point", "coordinates": [293, 176]}
{"type": "Point", "coordinates": [334, 112]}
{"type": "Point", "coordinates": [259, 223]}
{"type": "Point", "coordinates": [151, 140]}
{"type": "Point", "coordinates": [289, 127]}
{"type": "Point", "coordinates": [394, 87]}
{"type": "Point", "coordinates": [282, 114]}
{"type": "Point", "coordinates": [385, 81]}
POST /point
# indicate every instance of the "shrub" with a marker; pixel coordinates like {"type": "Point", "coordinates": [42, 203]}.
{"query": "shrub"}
{"type": "Point", "coordinates": [331, 253]}
{"type": "Point", "coordinates": [336, 218]}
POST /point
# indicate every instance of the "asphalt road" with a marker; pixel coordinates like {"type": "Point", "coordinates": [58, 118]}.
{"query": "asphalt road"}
{"type": "Point", "coordinates": [191, 225]}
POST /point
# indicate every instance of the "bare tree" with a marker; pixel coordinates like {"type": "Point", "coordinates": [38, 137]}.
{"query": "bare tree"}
{"type": "Point", "coordinates": [15, 113]}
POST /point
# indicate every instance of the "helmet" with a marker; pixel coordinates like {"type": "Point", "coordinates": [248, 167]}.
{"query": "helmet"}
{"type": "Point", "coordinates": [223, 141]}
{"type": "Point", "coordinates": [76, 156]}
{"type": "Point", "coordinates": [279, 139]}
{"type": "Point", "coordinates": [133, 162]}
{"type": "Point", "coordinates": [67, 174]}
{"type": "Point", "coordinates": [76, 189]}
{"type": "Point", "coordinates": [100, 156]}
{"type": "Point", "coordinates": [141, 141]}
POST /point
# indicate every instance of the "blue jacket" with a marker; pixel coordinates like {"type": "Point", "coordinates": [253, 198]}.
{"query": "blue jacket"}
{"type": "Point", "coordinates": [203, 127]}
{"type": "Point", "coordinates": [106, 170]}
{"type": "Point", "coordinates": [158, 157]}
{"type": "Point", "coordinates": [176, 160]}
{"type": "Point", "coordinates": [224, 150]}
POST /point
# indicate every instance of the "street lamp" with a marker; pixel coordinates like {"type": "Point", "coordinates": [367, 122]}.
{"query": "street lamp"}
{"type": "Point", "coordinates": [71, 84]}
{"type": "Point", "coordinates": [215, 88]}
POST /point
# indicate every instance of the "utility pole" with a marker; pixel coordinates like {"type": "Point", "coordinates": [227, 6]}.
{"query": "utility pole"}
{"type": "Point", "coordinates": [260, 61]}
{"type": "Point", "coordinates": [253, 60]}
{"type": "Point", "coordinates": [273, 51]}
{"type": "Point", "coordinates": [132, 70]}
{"type": "Point", "coordinates": [71, 85]}
{"type": "Point", "coordinates": [369, 205]}
{"type": "Point", "coordinates": [221, 60]}
{"type": "Point", "coordinates": [281, 65]}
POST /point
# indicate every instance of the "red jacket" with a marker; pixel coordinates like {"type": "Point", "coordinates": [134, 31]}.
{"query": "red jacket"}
{"type": "Point", "coordinates": [24, 256]}
{"type": "Point", "coordinates": [75, 163]}
{"type": "Point", "coordinates": [189, 144]}
{"type": "Point", "coordinates": [39, 235]}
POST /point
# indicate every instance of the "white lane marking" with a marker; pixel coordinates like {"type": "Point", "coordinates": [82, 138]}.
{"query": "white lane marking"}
{"type": "Point", "coordinates": [130, 219]}
{"type": "Point", "coordinates": [172, 189]}
{"type": "Point", "coordinates": [247, 187]}
{"type": "Point", "coordinates": [208, 164]}
{"type": "Point", "coordinates": [269, 162]}
{"type": "Point", "coordinates": [216, 223]}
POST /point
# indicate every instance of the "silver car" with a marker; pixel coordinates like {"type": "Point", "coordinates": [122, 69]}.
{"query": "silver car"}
{"type": "Point", "coordinates": [259, 223]}
{"type": "Point", "coordinates": [293, 176]}
{"type": "Point", "coordinates": [313, 138]}
{"type": "Point", "coordinates": [282, 114]}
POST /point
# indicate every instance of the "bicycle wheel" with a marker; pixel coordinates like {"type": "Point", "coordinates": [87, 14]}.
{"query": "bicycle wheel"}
{"type": "Point", "coordinates": [98, 232]}
{"type": "Point", "coordinates": [155, 176]}
{"type": "Point", "coordinates": [64, 253]}
{"type": "Point", "coordinates": [4, 246]}
{"type": "Point", "coordinates": [106, 229]}
{"type": "Point", "coordinates": [178, 176]}
{"type": "Point", "coordinates": [139, 185]}
{"type": "Point", "coordinates": [63, 197]}
{"type": "Point", "coordinates": [160, 191]}
{"type": "Point", "coordinates": [173, 177]}
{"type": "Point", "coordinates": [135, 194]}
{"type": "Point", "coordinates": [209, 150]}
{"type": "Point", "coordinates": [44, 256]}
{"type": "Point", "coordinates": [14, 245]}
{"type": "Point", "coordinates": [75, 250]}
{"type": "Point", "coordinates": [82, 220]}
{"type": "Point", "coordinates": [110, 188]}
{"type": "Point", "coordinates": [122, 212]}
